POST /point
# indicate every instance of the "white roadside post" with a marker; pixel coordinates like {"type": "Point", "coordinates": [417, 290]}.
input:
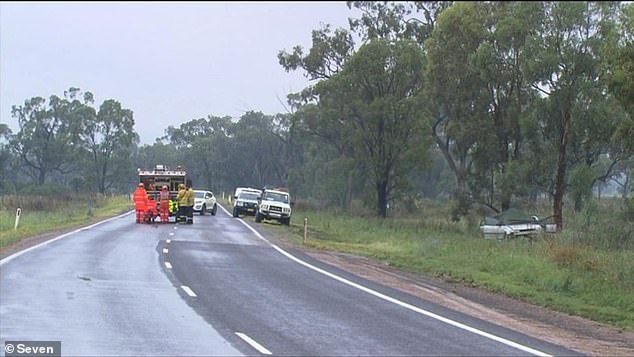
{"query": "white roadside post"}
{"type": "Point", "coordinates": [17, 218]}
{"type": "Point", "coordinates": [305, 229]}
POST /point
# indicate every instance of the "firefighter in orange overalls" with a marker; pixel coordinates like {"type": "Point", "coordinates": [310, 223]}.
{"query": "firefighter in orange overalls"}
{"type": "Point", "coordinates": [165, 204]}
{"type": "Point", "coordinates": [151, 209]}
{"type": "Point", "coordinates": [140, 202]}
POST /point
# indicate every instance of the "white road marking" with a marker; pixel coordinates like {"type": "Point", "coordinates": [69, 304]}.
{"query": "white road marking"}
{"type": "Point", "coordinates": [15, 255]}
{"type": "Point", "coordinates": [188, 291]}
{"type": "Point", "coordinates": [168, 265]}
{"type": "Point", "coordinates": [165, 250]}
{"type": "Point", "coordinates": [171, 233]}
{"type": "Point", "coordinates": [169, 241]}
{"type": "Point", "coordinates": [175, 227]}
{"type": "Point", "coordinates": [253, 343]}
{"type": "Point", "coordinates": [393, 300]}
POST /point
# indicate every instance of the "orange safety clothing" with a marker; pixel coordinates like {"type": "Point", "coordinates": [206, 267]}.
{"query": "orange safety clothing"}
{"type": "Point", "coordinates": [140, 203]}
{"type": "Point", "coordinates": [164, 197]}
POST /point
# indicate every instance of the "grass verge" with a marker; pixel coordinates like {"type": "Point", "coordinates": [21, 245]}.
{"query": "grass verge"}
{"type": "Point", "coordinates": [73, 214]}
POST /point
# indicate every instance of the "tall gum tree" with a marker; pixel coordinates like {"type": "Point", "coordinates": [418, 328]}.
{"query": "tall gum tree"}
{"type": "Point", "coordinates": [377, 93]}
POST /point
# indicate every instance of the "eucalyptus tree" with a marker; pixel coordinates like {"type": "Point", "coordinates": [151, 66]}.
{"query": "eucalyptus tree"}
{"type": "Point", "coordinates": [46, 141]}
{"type": "Point", "coordinates": [567, 54]}
{"type": "Point", "coordinates": [197, 143]}
{"type": "Point", "coordinates": [458, 99]}
{"type": "Point", "coordinates": [6, 158]}
{"type": "Point", "coordinates": [374, 103]}
{"type": "Point", "coordinates": [109, 137]}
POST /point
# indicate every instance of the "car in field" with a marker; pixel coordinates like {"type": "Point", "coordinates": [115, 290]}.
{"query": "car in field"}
{"type": "Point", "coordinates": [245, 204]}
{"type": "Point", "coordinates": [274, 204]}
{"type": "Point", "coordinates": [204, 202]}
{"type": "Point", "coordinates": [513, 223]}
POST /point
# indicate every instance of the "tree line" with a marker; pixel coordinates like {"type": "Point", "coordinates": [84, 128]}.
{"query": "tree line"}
{"type": "Point", "coordinates": [479, 103]}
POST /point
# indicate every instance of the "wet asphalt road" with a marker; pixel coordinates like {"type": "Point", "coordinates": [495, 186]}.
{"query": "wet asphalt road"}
{"type": "Point", "coordinates": [218, 288]}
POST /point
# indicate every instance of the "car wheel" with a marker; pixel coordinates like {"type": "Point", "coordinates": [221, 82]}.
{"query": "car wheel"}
{"type": "Point", "coordinates": [286, 221]}
{"type": "Point", "coordinates": [213, 211]}
{"type": "Point", "coordinates": [202, 211]}
{"type": "Point", "coordinates": [258, 217]}
{"type": "Point", "coordinates": [235, 212]}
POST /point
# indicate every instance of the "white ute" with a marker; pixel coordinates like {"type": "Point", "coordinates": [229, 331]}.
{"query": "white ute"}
{"type": "Point", "coordinates": [275, 205]}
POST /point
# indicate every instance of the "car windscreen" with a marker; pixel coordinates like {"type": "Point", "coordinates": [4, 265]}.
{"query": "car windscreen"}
{"type": "Point", "coordinates": [200, 194]}
{"type": "Point", "coordinates": [248, 196]}
{"type": "Point", "coordinates": [277, 197]}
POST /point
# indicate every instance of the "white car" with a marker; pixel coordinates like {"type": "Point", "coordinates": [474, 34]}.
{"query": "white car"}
{"type": "Point", "coordinates": [513, 224]}
{"type": "Point", "coordinates": [246, 203]}
{"type": "Point", "coordinates": [204, 202]}
{"type": "Point", "coordinates": [274, 204]}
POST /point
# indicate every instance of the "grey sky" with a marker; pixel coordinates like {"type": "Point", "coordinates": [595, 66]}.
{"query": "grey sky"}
{"type": "Point", "coordinates": [168, 62]}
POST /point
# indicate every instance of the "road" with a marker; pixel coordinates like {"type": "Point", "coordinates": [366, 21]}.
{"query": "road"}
{"type": "Point", "coordinates": [219, 287]}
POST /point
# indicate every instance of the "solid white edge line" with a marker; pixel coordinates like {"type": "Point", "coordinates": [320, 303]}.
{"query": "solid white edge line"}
{"type": "Point", "coordinates": [168, 265]}
{"type": "Point", "coordinates": [165, 251]}
{"type": "Point", "coordinates": [17, 254]}
{"type": "Point", "coordinates": [253, 343]}
{"type": "Point", "coordinates": [395, 301]}
{"type": "Point", "coordinates": [188, 290]}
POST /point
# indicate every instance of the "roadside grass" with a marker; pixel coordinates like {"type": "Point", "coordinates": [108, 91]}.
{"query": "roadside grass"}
{"type": "Point", "coordinates": [588, 270]}
{"type": "Point", "coordinates": [70, 213]}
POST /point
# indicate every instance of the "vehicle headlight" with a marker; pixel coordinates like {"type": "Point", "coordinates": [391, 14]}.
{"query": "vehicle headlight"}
{"type": "Point", "coordinates": [286, 210]}
{"type": "Point", "coordinates": [265, 207]}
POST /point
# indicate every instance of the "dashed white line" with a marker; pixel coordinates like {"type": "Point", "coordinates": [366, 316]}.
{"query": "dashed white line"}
{"type": "Point", "coordinates": [168, 241]}
{"type": "Point", "coordinates": [165, 250]}
{"type": "Point", "coordinates": [188, 291]}
{"type": "Point", "coordinates": [175, 227]}
{"type": "Point", "coordinates": [168, 265]}
{"type": "Point", "coordinates": [393, 300]}
{"type": "Point", "coordinates": [171, 233]}
{"type": "Point", "coordinates": [253, 343]}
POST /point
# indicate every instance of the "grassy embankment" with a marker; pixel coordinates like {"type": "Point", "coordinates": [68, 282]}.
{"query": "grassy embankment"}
{"type": "Point", "coordinates": [42, 214]}
{"type": "Point", "coordinates": [588, 270]}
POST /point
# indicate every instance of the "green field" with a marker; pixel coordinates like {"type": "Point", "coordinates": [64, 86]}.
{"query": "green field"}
{"type": "Point", "coordinates": [38, 218]}
{"type": "Point", "coordinates": [588, 270]}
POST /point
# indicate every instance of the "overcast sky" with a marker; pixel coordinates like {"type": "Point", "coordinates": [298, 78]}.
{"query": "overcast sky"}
{"type": "Point", "coordinates": [168, 62]}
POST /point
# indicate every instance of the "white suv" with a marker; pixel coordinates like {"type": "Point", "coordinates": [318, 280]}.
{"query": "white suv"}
{"type": "Point", "coordinates": [274, 205]}
{"type": "Point", "coordinates": [204, 202]}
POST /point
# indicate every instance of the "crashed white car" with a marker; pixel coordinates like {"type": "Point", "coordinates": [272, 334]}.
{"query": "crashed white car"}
{"type": "Point", "coordinates": [513, 223]}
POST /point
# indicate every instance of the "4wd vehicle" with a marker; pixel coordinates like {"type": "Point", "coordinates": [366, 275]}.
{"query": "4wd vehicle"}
{"type": "Point", "coordinates": [204, 202]}
{"type": "Point", "coordinates": [274, 204]}
{"type": "Point", "coordinates": [246, 203]}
